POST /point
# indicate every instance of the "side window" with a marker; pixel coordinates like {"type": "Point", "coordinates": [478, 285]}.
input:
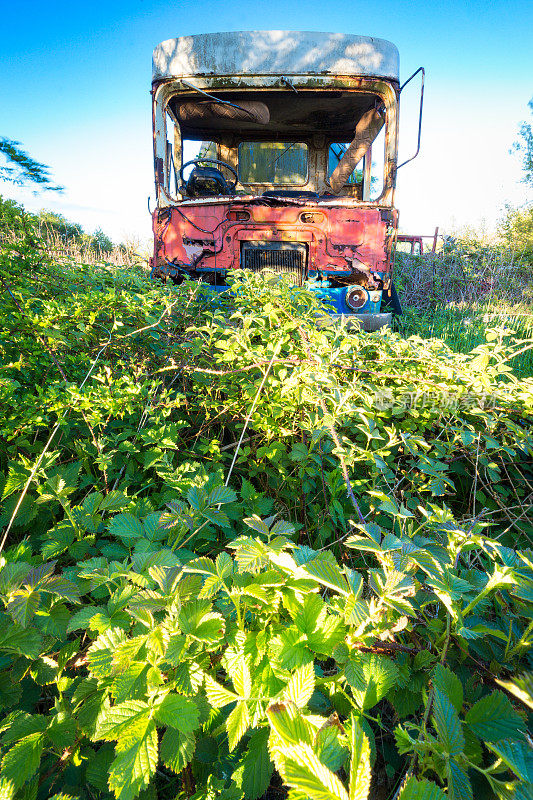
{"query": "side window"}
{"type": "Point", "coordinates": [335, 153]}
{"type": "Point", "coordinates": [171, 176]}
{"type": "Point", "coordinates": [193, 149]}
{"type": "Point", "coordinates": [360, 163]}
{"type": "Point", "coordinates": [377, 167]}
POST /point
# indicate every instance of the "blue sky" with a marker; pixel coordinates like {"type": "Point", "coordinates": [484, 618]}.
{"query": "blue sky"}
{"type": "Point", "coordinates": [75, 83]}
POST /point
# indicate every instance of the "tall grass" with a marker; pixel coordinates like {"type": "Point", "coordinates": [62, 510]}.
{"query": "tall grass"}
{"type": "Point", "coordinates": [458, 293]}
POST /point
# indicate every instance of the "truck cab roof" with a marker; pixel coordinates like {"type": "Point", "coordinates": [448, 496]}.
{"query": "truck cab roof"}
{"type": "Point", "coordinates": [283, 53]}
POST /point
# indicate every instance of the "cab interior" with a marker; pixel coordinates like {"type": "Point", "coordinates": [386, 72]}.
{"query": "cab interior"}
{"type": "Point", "coordinates": [284, 143]}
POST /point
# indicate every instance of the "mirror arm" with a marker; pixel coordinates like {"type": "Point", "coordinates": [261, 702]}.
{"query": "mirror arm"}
{"type": "Point", "coordinates": [423, 71]}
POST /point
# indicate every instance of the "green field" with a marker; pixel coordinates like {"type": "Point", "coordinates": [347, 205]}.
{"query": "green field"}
{"type": "Point", "coordinates": [242, 553]}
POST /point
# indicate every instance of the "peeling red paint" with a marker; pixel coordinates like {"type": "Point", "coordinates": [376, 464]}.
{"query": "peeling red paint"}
{"type": "Point", "coordinates": [340, 240]}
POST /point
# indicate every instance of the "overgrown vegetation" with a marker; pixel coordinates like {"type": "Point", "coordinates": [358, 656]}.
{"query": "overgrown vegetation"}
{"type": "Point", "coordinates": [245, 556]}
{"type": "Point", "coordinates": [470, 285]}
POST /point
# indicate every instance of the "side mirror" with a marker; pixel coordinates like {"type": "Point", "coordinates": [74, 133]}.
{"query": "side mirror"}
{"type": "Point", "coordinates": [402, 87]}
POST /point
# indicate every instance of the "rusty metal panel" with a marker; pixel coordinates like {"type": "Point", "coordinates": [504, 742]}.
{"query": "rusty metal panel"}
{"type": "Point", "coordinates": [353, 244]}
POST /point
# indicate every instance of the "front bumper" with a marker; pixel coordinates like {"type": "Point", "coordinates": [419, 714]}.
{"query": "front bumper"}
{"type": "Point", "coordinates": [364, 322]}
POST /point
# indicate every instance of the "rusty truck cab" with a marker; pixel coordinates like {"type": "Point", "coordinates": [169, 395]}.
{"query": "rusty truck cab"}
{"type": "Point", "coordinates": [277, 150]}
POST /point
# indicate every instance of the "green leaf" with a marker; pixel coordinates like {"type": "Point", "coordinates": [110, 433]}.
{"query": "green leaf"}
{"type": "Point", "coordinates": [415, 789]}
{"type": "Point", "coordinates": [282, 528]}
{"type": "Point", "coordinates": [257, 766]}
{"type": "Point", "coordinates": [20, 724]}
{"type": "Point", "coordinates": [126, 527]}
{"type": "Point", "coordinates": [58, 540]}
{"type": "Point", "coordinates": [132, 683]}
{"type": "Point", "coordinates": [98, 767]}
{"type": "Point", "coordinates": [518, 756]}
{"type": "Point", "coordinates": [114, 501]}
{"type": "Point", "coordinates": [218, 695]}
{"type": "Point", "coordinates": [371, 676]}
{"type": "Point", "coordinates": [251, 555]}
{"type": "Point", "coordinates": [61, 587]}
{"type": "Point", "coordinates": [22, 760]}
{"type": "Point", "coordinates": [360, 772]}
{"type": "Point", "coordinates": [459, 786]}
{"type": "Point", "coordinates": [216, 516]}
{"type": "Point", "coordinates": [198, 622]}
{"type": "Point", "coordinates": [122, 721]}
{"type": "Point", "coordinates": [44, 670]}
{"type": "Point", "coordinates": [493, 718]}
{"type": "Point", "coordinates": [81, 620]}
{"type": "Point", "coordinates": [311, 614]}
{"type": "Point", "coordinates": [328, 747]}
{"type": "Point", "coordinates": [135, 763]}
{"type": "Point", "coordinates": [325, 570]}
{"type": "Point", "coordinates": [291, 648]}
{"type": "Point", "coordinates": [257, 524]}
{"type": "Point", "coordinates": [16, 478]}
{"type": "Point", "coordinates": [197, 497]}
{"type": "Point", "coordinates": [175, 647]}
{"type": "Point", "coordinates": [301, 685]}
{"type": "Point", "coordinates": [221, 494]}
{"type": "Point", "coordinates": [240, 675]}
{"type": "Point", "coordinates": [177, 749]}
{"type": "Point", "coordinates": [24, 641]}
{"type": "Point", "coordinates": [128, 650]}
{"type": "Point", "coordinates": [101, 653]}
{"type": "Point", "coordinates": [237, 724]}
{"type": "Point", "coordinates": [224, 565]}
{"type": "Point", "coordinates": [289, 724]}
{"type": "Point", "coordinates": [23, 605]}
{"type": "Point", "coordinates": [306, 773]}
{"type": "Point", "coordinates": [363, 543]}
{"type": "Point", "coordinates": [54, 622]}
{"type": "Point", "coordinates": [177, 712]}
{"type": "Point", "coordinates": [62, 731]}
{"type": "Point", "coordinates": [203, 565]}
{"type": "Point", "coordinates": [521, 687]}
{"type": "Point", "coordinates": [449, 684]}
{"type": "Point", "coordinates": [210, 629]}
{"type": "Point", "coordinates": [206, 751]}
{"type": "Point", "coordinates": [447, 724]}
{"type": "Point", "coordinates": [61, 796]}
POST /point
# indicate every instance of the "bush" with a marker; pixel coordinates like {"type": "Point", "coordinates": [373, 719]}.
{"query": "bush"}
{"type": "Point", "coordinates": [516, 230]}
{"type": "Point", "coordinates": [243, 550]}
{"type": "Point", "coordinates": [463, 271]}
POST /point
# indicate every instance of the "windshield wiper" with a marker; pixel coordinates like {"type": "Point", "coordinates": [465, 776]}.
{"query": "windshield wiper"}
{"type": "Point", "coordinates": [217, 99]}
{"type": "Point", "coordinates": [288, 83]}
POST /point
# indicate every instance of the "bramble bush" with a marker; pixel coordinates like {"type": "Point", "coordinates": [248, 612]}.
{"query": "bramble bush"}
{"type": "Point", "coordinates": [246, 555]}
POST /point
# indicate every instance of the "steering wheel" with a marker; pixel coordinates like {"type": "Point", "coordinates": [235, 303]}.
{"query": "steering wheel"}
{"type": "Point", "coordinates": [200, 161]}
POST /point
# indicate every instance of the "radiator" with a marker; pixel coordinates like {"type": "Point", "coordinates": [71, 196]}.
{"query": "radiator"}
{"type": "Point", "coordinates": [288, 258]}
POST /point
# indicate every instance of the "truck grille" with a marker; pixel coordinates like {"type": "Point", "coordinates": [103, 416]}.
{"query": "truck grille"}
{"type": "Point", "coordinates": [289, 258]}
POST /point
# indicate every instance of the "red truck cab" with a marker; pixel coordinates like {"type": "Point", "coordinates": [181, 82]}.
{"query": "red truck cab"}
{"type": "Point", "coordinates": [277, 150]}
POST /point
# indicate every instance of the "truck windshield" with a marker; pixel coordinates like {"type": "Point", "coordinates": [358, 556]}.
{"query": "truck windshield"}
{"type": "Point", "coordinates": [273, 162]}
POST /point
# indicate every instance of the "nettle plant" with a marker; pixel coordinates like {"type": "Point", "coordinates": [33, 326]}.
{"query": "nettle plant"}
{"type": "Point", "coordinates": [157, 673]}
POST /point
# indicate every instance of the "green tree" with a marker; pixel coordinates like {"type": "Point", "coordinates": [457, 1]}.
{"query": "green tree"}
{"type": "Point", "coordinates": [516, 229]}
{"type": "Point", "coordinates": [524, 146]}
{"type": "Point", "coordinates": [21, 168]}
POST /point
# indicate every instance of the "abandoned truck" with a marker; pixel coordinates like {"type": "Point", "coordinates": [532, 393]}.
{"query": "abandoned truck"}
{"type": "Point", "coordinates": [278, 150]}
